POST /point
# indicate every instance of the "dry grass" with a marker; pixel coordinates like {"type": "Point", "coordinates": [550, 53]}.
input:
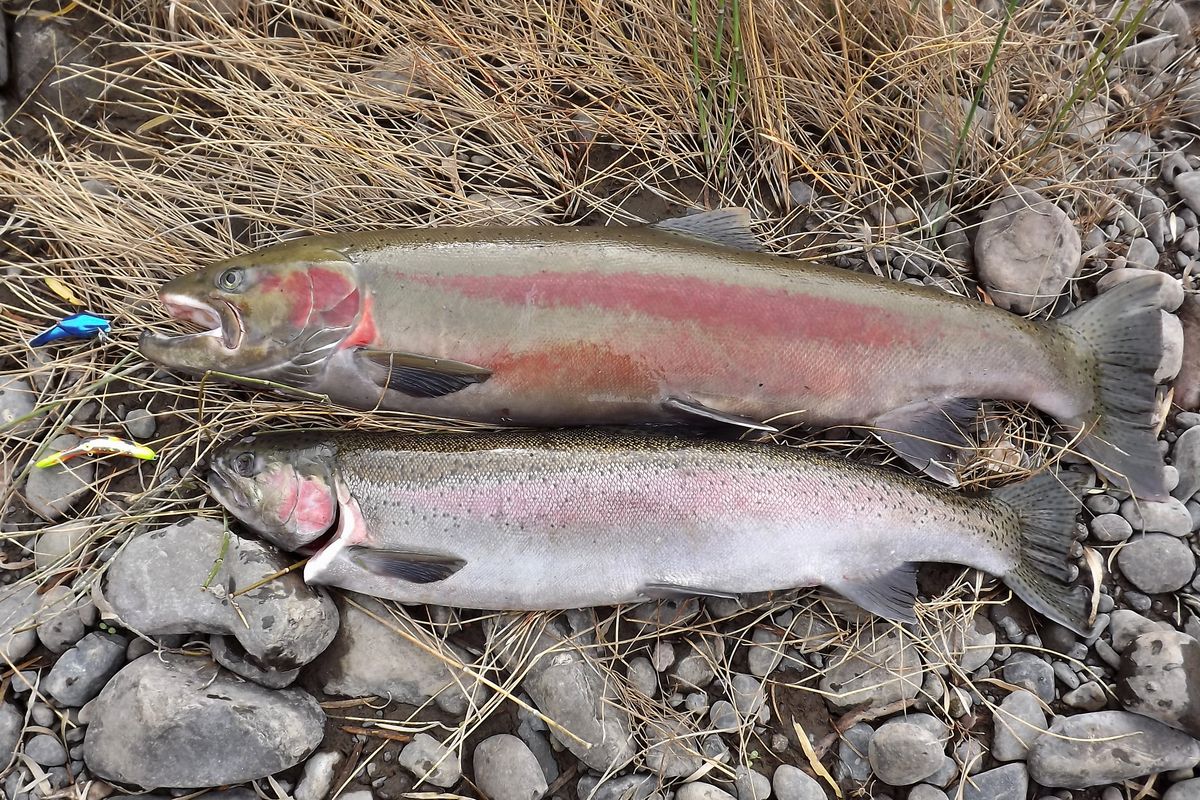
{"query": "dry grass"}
{"type": "Point", "coordinates": [214, 133]}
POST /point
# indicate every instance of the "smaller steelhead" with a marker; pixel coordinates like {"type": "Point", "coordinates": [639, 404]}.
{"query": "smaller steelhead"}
{"type": "Point", "coordinates": [577, 518]}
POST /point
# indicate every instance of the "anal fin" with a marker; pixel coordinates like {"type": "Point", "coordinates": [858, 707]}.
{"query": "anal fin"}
{"type": "Point", "coordinates": [729, 227]}
{"type": "Point", "coordinates": [423, 376]}
{"type": "Point", "coordinates": [404, 565]}
{"type": "Point", "coordinates": [890, 595]}
{"type": "Point", "coordinates": [930, 434]}
{"type": "Point", "coordinates": [674, 591]}
{"type": "Point", "coordinates": [698, 409]}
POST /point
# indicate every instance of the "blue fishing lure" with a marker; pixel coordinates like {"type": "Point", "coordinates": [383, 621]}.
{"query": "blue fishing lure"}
{"type": "Point", "coordinates": [76, 326]}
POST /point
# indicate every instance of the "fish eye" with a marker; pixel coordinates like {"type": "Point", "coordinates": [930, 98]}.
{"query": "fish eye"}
{"type": "Point", "coordinates": [244, 465]}
{"type": "Point", "coordinates": [231, 279]}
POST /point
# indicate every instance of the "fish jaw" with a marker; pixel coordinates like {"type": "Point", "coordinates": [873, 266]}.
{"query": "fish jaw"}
{"type": "Point", "coordinates": [209, 349]}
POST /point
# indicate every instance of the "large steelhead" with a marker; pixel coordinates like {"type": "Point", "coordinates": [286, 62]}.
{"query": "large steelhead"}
{"type": "Point", "coordinates": [565, 519]}
{"type": "Point", "coordinates": [565, 326]}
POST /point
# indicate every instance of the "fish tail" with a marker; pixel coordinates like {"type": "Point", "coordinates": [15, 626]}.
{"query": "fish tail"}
{"type": "Point", "coordinates": [1046, 506]}
{"type": "Point", "coordinates": [1121, 335]}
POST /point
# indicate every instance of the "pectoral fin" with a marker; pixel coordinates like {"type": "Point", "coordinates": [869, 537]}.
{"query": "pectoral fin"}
{"type": "Point", "coordinates": [698, 409]}
{"type": "Point", "coordinates": [674, 591]}
{"type": "Point", "coordinates": [725, 226]}
{"type": "Point", "coordinates": [890, 595]}
{"type": "Point", "coordinates": [930, 434]}
{"type": "Point", "coordinates": [406, 566]}
{"type": "Point", "coordinates": [422, 376]}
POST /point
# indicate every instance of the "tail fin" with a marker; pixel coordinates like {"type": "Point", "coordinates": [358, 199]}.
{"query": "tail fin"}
{"type": "Point", "coordinates": [1121, 330]}
{"type": "Point", "coordinates": [1046, 506]}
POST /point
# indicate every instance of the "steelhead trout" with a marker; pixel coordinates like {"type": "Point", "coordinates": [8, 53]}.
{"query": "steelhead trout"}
{"type": "Point", "coordinates": [562, 519]}
{"type": "Point", "coordinates": [542, 326]}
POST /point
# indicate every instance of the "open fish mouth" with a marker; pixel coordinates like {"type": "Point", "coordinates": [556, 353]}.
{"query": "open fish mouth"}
{"type": "Point", "coordinates": [222, 322]}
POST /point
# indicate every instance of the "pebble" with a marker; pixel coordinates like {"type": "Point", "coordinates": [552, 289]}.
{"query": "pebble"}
{"type": "Point", "coordinates": [81, 672]}
{"type": "Point", "coordinates": [1157, 677]}
{"type": "Point", "coordinates": [568, 689]}
{"type": "Point", "coordinates": [1030, 672]}
{"type": "Point", "coordinates": [1110, 528]}
{"type": "Point", "coordinates": [853, 749]}
{"type": "Point", "coordinates": [539, 745]}
{"type": "Point", "coordinates": [366, 657]}
{"type": "Point", "coordinates": [1102, 503]}
{"type": "Point", "coordinates": [1002, 783]}
{"type": "Point", "coordinates": [670, 748]}
{"type": "Point", "coordinates": [1188, 186]}
{"type": "Point", "coordinates": [1088, 697]}
{"type": "Point", "coordinates": [901, 753]}
{"type": "Point", "coordinates": [11, 725]}
{"type": "Point", "coordinates": [46, 750]}
{"type": "Point", "coordinates": [748, 697]}
{"type": "Point", "coordinates": [1094, 749]}
{"type": "Point", "coordinates": [1143, 254]}
{"type": "Point", "coordinates": [1168, 516]}
{"type": "Point", "coordinates": [970, 644]}
{"type": "Point", "coordinates": [791, 783]}
{"type": "Point", "coordinates": [61, 625]}
{"type": "Point", "coordinates": [924, 791]}
{"type": "Point", "coordinates": [1157, 563]}
{"type": "Point", "coordinates": [1126, 626]}
{"type": "Point", "coordinates": [625, 787]}
{"type": "Point", "coordinates": [1185, 454]}
{"type": "Point", "coordinates": [52, 491]}
{"type": "Point", "coordinates": [317, 778]}
{"type": "Point", "coordinates": [174, 721]}
{"type": "Point", "coordinates": [662, 656]}
{"type": "Point", "coordinates": [642, 676]}
{"type": "Point", "coordinates": [59, 542]}
{"type": "Point", "coordinates": [17, 398]}
{"type": "Point", "coordinates": [1065, 675]}
{"type": "Point", "coordinates": [751, 785]}
{"type": "Point", "coordinates": [226, 652]}
{"type": "Point", "coordinates": [140, 423]}
{"type": "Point", "coordinates": [1184, 790]}
{"type": "Point", "coordinates": [152, 586]}
{"type": "Point", "coordinates": [766, 653]}
{"type": "Point", "coordinates": [430, 761]}
{"type": "Point", "coordinates": [505, 769]}
{"type": "Point", "coordinates": [694, 668]}
{"type": "Point", "coordinates": [699, 790]}
{"type": "Point", "coordinates": [1026, 250]}
{"type": "Point", "coordinates": [357, 794]}
{"type": "Point", "coordinates": [877, 666]}
{"type": "Point", "coordinates": [723, 715]}
{"type": "Point", "coordinates": [1017, 722]}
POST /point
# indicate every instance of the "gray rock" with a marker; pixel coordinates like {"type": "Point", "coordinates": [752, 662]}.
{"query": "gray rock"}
{"type": "Point", "coordinates": [140, 423]}
{"type": "Point", "coordinates": [724, 716]}
{"type": "Point", "coordinates": [568, 687]}
{"type": "Point", "coordinates": [748, 696]}
{"type": "Point", "coordinates": [1128, 625]}
{"type": "Point", "coordinates": [430, 761]}
{"type": "Point", "coordinates": [1184, 790]}
{"type": "Point", "coordinates": [670, 750]}
{"type": "Point", "coordinates": [1186, 456]}
{"type": "Point", "coordinates": [81, 672]}
{"type": "Point", "coordinates": [1107, 747]}
{"type": "Point", "coordinates": [17, 399]}
{"type": "Point", "coordinates": [1157, 562]}
{"type": "Point", "coordinates": [970, 644]}
{"type": "Point", "coordinates": [1159, 677]}
{"type": "Point", "coordinates": [317, 779]}
{"type": "Point", "coordinates": [699, 790]}
{"type": "Point", "coordinates": [790, 783]}
{"type": "Point", "coordinates": [1171, 361]}
{"type": "Point", "coordinates": [751, 785]}
{"type": "Point", "coordinates": [642, 676]}
{"type": "Point", "coordinates": [368, 658]}
{"type": "Point", "coordinates": [1102, 504]}
{"type": "Point", "coordinates": [1188, 186]}
{"type": "Point", "coordinates": [1142, 254]}
{"type": "Point", "coordinates": [1169, 516]}
{"type": "Point", "coordinates": [1003, 783]}
{"type": "Point", "coordinates": [766, 652]}
{"type": "Point", "coordinates": [924, 791]}
{"type": "Point", "coordinates": [1031, 672]}
{"type": "Point", "coordinates": [154, 586]}
{"type": "Point", "coordinates": [1026, 250]}
{"type": "Point", "coordinates": [1110, 528]}
{"type": "Point", "coordinates": [357, 794]}
{"type": "Point", "coordinates": [11, 725]}
{"type": "Point", "coordinates": [877, 666]}
{"type": "Point", "coordinates": [46, 750]}
{"type": "Point", "coordinates": [1088, 697]}
{"type": "Point", "coordinates": [694, 666]}
{"type": "Point", "coordinates": [61, 625]}
{"type": "Point", "coordinates": [902, 753]}
{"type": "Point", "coordinates": [174, 721]}
{"type": "Point", "coordinates": [59, 542]}
{"type": "Point", "coordinates": [52, 491]}
{"type": "Point", "coordinates": [19, 607]}
{"type": "Point", "coordinates": [662, 656]}
{"type": "Point", "coordinates": [539, 745]}
{"type": "Point", "coordinates": [229, 654]}
{"type": "Point", "coordinates": [1017, 722]}
{"type": "Point", "coordinates": [505, 769]}
{"type": "Point", "coordinates": [853, 750]}
{"type": "Point", "coordinates": [625, 787]}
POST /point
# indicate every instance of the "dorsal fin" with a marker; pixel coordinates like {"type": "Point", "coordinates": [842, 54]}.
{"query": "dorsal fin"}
{"type": "Point", "coordinates": [729, 227]}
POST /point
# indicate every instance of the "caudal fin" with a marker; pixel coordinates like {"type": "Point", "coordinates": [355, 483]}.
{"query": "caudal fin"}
{"type": "Point", "coordinates": [1046, 506]}
{"type": "Point", "coordinates": [1120, 333]}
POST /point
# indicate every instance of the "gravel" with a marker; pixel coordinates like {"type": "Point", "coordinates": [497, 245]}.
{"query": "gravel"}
{"type": "Point", "coordinates": [430, 761]}
{"type": "Point", "coordinates": [1159, 676]}
{"type": "Point", "coordinates": [853, 750]}
{"type": "Point", "coordinates": [18, 607]}
{"type": "Point", "coordinates": [751, 785]}
{"type": "Point", "coordinates": [1185, 455]}
{"type": "Point", "coordinates": [1157, 563]}
{"type": "Point", "coordinates": [877, 667]}
{"type": "Point", "coordinates": [790, 783]}
{"type": "Point", "coordinates": [505, 769]}
{"type": "Point", "coordinates": [1019, 720]}
{"type": "Point", "coordinates": [901, 753]}
{"type": "Point", "coordinates": [140, 423]}
{"type": "Point", "coordinates": [81, 672]}
{"type": "Point", "coordinates": [61, 625]}
{"type": "Point", "coordinates": [1169, 516]}
{"type": "Point", "coordinates": [700, 790]}
{"type": "Point", "coordinates": [1030, 672]}
{"type": "Point", "coordinates": [1110, 528]}
{"type": "Point", "coordinates": [1003, 783]}
{"type": "Point", "coordinates": [1088, 697]}
{"type": "Point", "coordinates": [46, 750]}
{"type": "Point", "coordinates": [317, 778]}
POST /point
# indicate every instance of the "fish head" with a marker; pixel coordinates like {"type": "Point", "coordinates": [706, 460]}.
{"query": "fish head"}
{"type": "Point", "coordinates": [277, 313]}
{"type": "Point", "coordinates": [282, 487]}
